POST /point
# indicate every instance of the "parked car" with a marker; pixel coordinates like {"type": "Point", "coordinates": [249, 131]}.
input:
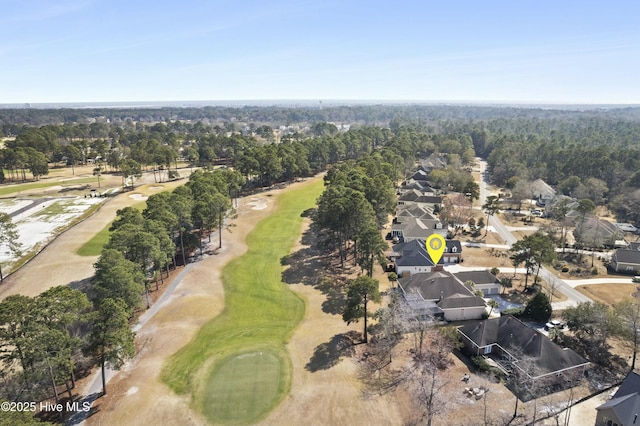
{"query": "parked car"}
{"type": "Point", "coordinates": [553, 324]}
{"type": "Point", "coordinates": [636, 279]}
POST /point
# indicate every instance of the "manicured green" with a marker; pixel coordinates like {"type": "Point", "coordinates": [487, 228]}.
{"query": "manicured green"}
{"type": "Point", "coordinates": [260, 314]}
{"type": "Point", "coordinates": [243, 387]}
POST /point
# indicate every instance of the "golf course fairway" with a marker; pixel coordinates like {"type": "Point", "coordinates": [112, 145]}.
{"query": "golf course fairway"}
{"type": "Point", "coordinates": [237, 367]}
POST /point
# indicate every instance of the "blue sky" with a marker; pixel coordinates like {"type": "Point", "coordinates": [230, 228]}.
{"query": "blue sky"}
{"type": "Point", "coordinates": [504, 51]}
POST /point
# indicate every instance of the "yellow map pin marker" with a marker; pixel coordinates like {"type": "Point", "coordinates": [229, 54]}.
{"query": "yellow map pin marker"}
{"type": "Point", "coordinates": [435, 247]}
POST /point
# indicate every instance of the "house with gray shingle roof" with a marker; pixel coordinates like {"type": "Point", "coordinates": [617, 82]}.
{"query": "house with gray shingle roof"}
{"type": "Point", "coordinates": [446, 291]}
{"type": "Point", "coordinates": [412, 257]}
{"type": "Point", "coordinates": [417, 229]}
{"type": "Point", "coordinates": [416, 197]}
{"type": "Point", "coordinates": [521, 349]}
{"type": "Point", "coordinates": [482, 279]}
{"type": "Point", "coordinates": [624, 407]}
{"type": "Point", "coordinates": [420, 186]}
{"type": "Point", "coordinates": [597, 230]}
{"type": "Point", "coordinates": [626, 261]}
{"type": "Point", "coordinates": [542, 192]}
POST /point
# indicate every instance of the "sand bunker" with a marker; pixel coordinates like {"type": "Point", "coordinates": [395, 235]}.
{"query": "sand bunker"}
{"type": "Point", "coordinates": [138, 197]}
{"type": "Point", "coordinates": [257, 203]}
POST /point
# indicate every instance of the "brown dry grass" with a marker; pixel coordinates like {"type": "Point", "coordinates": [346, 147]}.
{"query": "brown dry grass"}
{"type": "Point", "coordinates": [486, 257]}
{"type": "Point", "coordinates": [582, 263]}
{"type": "Point", "coordinates": [609, 294]}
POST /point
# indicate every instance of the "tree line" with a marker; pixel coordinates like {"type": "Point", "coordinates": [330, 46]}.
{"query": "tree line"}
{"type": "Point", "coordinates": [44, 340]}
{"type": "Point", "coordinates": [12, 119]}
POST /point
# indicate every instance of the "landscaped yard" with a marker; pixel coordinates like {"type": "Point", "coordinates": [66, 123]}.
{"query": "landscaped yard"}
{"type": "Point", "coordinates": [241, 354]}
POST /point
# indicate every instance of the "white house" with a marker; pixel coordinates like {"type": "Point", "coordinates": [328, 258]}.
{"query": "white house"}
{"type": "Point", "coordinates": [412, 257]}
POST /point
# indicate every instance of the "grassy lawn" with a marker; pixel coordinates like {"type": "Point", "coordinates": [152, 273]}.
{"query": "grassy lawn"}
{"type": "Point", "coordinates": [244, 386]}
{"type": "Point", "coordinates": [260, 315]}
{"type": "Point", "coordinates": [93, 247]}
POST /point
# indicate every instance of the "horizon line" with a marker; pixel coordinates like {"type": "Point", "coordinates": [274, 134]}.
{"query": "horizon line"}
{"type": "Point", "coordinates": [306, 102]}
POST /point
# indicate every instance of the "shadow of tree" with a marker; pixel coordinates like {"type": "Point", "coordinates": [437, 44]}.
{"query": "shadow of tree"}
{"type": "Point", "coordinates": [328, 354]}
{"type": "Point", "coordinates": [336, 297]}
{"type": "Point", "coordinates": [85, 408]}
{"type": "Point", "coordinates": [307, 265]}
{"type": "Point", "coordinates": [83, 285]}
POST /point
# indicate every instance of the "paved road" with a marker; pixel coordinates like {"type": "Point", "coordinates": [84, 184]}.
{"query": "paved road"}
{"type": "Point", "coordinates": [573, 296]}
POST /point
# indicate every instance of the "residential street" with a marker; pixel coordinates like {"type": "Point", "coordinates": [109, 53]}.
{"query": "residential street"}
{"type": "Point", "coordinates": [573, 296]}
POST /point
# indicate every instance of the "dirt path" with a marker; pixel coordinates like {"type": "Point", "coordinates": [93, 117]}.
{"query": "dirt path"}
{"type": "Point", "coordinates": [58, 263]}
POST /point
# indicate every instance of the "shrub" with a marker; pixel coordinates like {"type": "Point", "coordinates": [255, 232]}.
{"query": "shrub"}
{"type": "Point", "coordinates": [516, 312]}
{"type": "Point", "coordinates": [594, 271]}
{"type": "Point", "coordinates": [565, 269]}
{"type": "Point", "coordinates": [538, 308]}
{"type": "Point", "coordinates": [481, 363]}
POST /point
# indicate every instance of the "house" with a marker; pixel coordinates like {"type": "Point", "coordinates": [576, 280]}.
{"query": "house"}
{"type": "Point", "coordinates": [416, 229]}
{"type": "Point", "coordinates": [624, 407]}
{"type": "Point", "coordinates": [571, 203]}
{"type": "Point", "coordinates": [421, 176]}
{"type": "Point", "coordinates": [595, 231]}
{"type": "Point", "coordinates": [412, 257]}
{"type": "Point", "coordinates": [482, 279]}
{"type": "Point", "coordinates": [432, 162]}
{"type": "Point", "coordinates": [416, 197]}
{"type": "Point", "coordinates": [409, 197]}
{"type": "Point", "coordinates": [626, 261]}
{"type": "Point", "coordinates": [443, 289]}
{"type": "Point", "coordinates": [542, 192]}
{"type": "Point", "coordinates": [413, 210]}
{"type": "Point", "coordinates": [422, 187]}
{"type": "Point", "coordinates": [521, 349]}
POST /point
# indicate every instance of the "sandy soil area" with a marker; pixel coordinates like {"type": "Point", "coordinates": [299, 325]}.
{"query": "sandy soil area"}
{"type": "Point", "coordinates": [58, 263]}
